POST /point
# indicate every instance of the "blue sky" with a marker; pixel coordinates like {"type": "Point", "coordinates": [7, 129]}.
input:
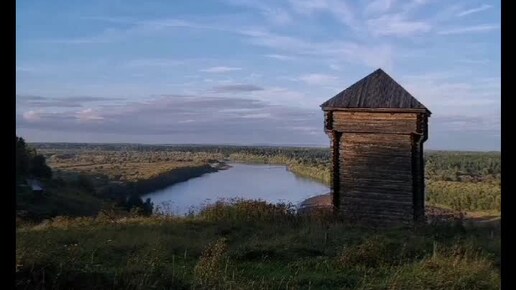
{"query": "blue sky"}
{"type": "Point", "coordinates": [249, 72]}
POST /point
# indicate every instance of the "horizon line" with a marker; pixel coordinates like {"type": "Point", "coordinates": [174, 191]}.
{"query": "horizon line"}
{"type": "Point", "coordinates": [234, 145]}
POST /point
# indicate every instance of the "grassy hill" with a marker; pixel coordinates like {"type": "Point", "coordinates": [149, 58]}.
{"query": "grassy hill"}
{"type": "Point", "coordinates": [251, 245]}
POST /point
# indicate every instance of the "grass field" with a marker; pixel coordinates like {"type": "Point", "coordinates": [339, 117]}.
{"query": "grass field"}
{"type": "Point", "coordinates": [252, 246]}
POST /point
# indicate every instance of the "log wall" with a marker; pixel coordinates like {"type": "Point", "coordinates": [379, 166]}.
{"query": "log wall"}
{"type": "Point", "coordinates": [402, 123]}
{"type": "Point", "coordinates": [378, 167]}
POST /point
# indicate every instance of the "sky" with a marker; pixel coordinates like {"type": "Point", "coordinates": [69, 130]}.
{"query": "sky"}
{"type": "Point", "coordinates": [249, 72]}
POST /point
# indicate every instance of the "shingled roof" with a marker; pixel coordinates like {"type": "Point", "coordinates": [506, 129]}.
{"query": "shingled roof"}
{"type": "Point", "coordinates": [375, 91]}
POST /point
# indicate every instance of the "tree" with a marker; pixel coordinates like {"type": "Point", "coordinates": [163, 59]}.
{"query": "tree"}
{"type": "Point", "coordinates": [135, 202]}
{"type": "Point", "coordinates": [39, 168]}
{"type": "Point", "coordinates": [28, 162]}
{"type": "Point", "coordinates": [22, 158]}
{"type": "Point", "coordinates": [84, 182]}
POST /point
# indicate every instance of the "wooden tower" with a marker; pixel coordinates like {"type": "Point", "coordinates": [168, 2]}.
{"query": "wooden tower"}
{"type": "Point", "coordinates": [377, 131]}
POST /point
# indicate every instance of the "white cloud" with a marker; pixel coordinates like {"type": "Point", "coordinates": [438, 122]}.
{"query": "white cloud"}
{"type": "Point", "coordinates": [280, 56]}
{"type": "Point", "coordinates": [308, 6]}
{"type": "Point", "coordinates": [442, 95]}
{"type": "Point", "coordinates": [474, 10]}
{"type": "Point", "coordinates": [340, 10]}
{"type": "Point", "coordinates": [396, 25]}
{"type": "Point", "coordinates": [186, 121]}
{"type": "Point", "coordinates": [154, 62]}
{"type": "Point", "coordinates": [277, 16]}
{"type": "Point", "coordinates": [139, 28]}
{"type": "Point", "coordinates": [474, 61]}
{"type": "Point", "coordinates": [377, 55]}
{"type": "Point", "coordinates": [379, 6]}
{"type": "Point", "coordinates": [220, 69]}
{"type": "Point", "coordinates": [318, 79]}
{"type": "Point", "coordinates": [335, 67]}
{"type": "Point", "coordinates": [256, 116]}
{"type": "Point", "coordinates": [264, 38]}
{"type": "Point", "coordinates": [471, 29]}
{"type": "Point", "coordinates": [208, 119]}
{"type": "Point", "coordinates": [272, 14]}
{"type": "Point", "coordinates": [236, 88]}
{"type": "Point", "coordinates": [31, 116]}
{"type": "Point", "coordinates": [88, 115]}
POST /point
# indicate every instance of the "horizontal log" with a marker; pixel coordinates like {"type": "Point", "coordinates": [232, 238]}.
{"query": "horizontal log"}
{"type": "Point", "coordinates": [365, 153]}
{"type": "Point", "coordinates": [375, 139]}
{"type": "Point", "coordinates": [398, 190]}
{"type": "Point", "coordinates": [394, 130]}
{"type": "Point", "coordinates": [383, 221]}
{"type": "Point", "coordinates": [392, 154]}
{"type": "Point", "coordinates": [424, 112]}
{"type": "Point", "coordinates": [380, 148]}
{"type": "Point", "coordinates": [347, 168]}
{"type": "Point", "coordinates": [349, 142]}
{"type": "Point", "coordinates": [396, 181]}
{"type": "Point", "coordinates": [374, 202]}
{"type": "Point", "coordinates": [375, 174]}
{"type": "Point", "coordinates": [375, 128]}
{"type": "Point", "coordinates": [374, 116]}
{"type": "Point", "coordinates": [351, 208]}
{"type": "Point", "coordinates": [384, 215]}
{"type": "Point", "coordinates": [403, 197]}
{"type": "Point", "coordinates": [366, 177]}
{"type": "Point", "coordinates": [377, 163]}
{"type": "Point", "coordinates": [388, 188]}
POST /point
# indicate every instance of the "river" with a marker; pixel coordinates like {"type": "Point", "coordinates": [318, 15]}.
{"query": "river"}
{"type": "Point", "coordinates": [271, 183]}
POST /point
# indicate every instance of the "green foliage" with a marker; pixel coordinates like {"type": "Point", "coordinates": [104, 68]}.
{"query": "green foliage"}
{"type": "Point", "coordinates": [371, 253]}
{"type": "Point", "coordinates": [456, 267]}
{"type": "Point", "coordinates": [463, 166]}
{"type": "Point", "coordinates": [29, 163]}
{"type": "Point", "coordinates": [22, 158]}
{"type": "Point", "coordinates": [210, 270]}
{"type": "Point", "coordinates": [39, 168]}
{"type": "Point", "coordinates": [85, 183]}
{"type": "Point", "coordinates": [59, 199]}
{"type": "Point", "coordinates": [160, 252]}
{"type": "Point", "coordinates": [136, 204]}
{"type": "Point", "coordinates": [465, 196]}
{"type": "Point", "coordinates": [246, 210]}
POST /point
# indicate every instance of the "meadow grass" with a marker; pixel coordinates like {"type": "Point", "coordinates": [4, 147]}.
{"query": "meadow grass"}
{"type": "Point", "coordinates": [251, 245]}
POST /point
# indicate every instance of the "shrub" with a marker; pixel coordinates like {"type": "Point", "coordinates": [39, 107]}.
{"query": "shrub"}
{"type": "Point", "coordinates": [209, 271]}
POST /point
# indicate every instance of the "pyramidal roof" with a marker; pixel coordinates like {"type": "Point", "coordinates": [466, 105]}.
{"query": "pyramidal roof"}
{"type": "Point", "coordinates": [376, 91]}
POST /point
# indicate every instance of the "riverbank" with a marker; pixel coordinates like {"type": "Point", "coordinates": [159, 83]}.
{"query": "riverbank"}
{"type": "Point", "coordinates": [316, 172]}
{"type": "Point", "coordinates": [174, 176]}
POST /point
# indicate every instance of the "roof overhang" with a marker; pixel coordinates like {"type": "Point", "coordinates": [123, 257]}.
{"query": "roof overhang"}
{"type": "Point", "coordinates": [377, 110]}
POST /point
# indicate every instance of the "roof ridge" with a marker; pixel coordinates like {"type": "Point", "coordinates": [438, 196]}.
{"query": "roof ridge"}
{"type": "Point", "coordinates": [376, 90]}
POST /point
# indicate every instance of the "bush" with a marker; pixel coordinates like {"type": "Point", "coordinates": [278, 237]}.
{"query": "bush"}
{"type": "Point", "coordinates": [247, 210]}
{"type": "Point", "coordinates": [209, 271]}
